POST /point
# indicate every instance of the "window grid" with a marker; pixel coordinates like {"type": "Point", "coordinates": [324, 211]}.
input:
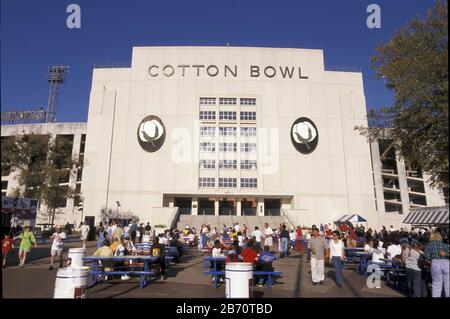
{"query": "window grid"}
{"type": "Point", "coordinates": [207, 101]}
{"type": "Point", "coordinates": [227, 115]}
{"type": "Point", "coordinates": [227, 182]}
{"type": "Point", "coordinates": [207, 164]}
{"type": "Point", "coordinates": [228, 164]}
{"type": "Point", "coordinates": [249, 164]}
{"type": "Point", "coordinates": [208, 147]}
{"type": "Point", "coordinates": [248, 131]}
{"type": "Point", "coordinates": [207, 115]}
{"type": "Point", "coordinates": [207, 182]}
{"type": "Point", "coordinates": [227, 131]}
{"type": "Point", "coordinates": [227, 101]}
{"type": "Point", "coordinates": [249, 182]}
{"type": "Point", "coordinates": [248, 101]}
{"type": "Point", "coordinates": [207, 131]}
{"type": "Point", "coordinates": [227, 147]}
{"type": "Point", "coordinates": [248, 116]}
{"type": "Point", "coordinates": [248, 147]}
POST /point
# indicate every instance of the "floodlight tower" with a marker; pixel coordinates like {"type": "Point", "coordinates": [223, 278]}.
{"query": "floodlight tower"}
{"type": "Point", "coordinates": [56, 75]}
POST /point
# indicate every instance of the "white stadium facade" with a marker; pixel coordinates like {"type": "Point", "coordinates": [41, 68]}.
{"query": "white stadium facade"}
{"type": "Point", "coordinates": [233, 134]}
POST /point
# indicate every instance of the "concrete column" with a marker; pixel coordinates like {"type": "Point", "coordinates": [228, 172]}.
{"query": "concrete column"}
{"type": "Point", "coordinates": [403, 185]}
{"type": "Point", "coordinates": [194, 208]}
{"type": "Point", "coordinates": [171, 202]}
{"type": "Point", "coordinates": [216, 207]}
{"type": "Point", "coordinates": [260, 208]}
{"type": "Point", "coordinates": [238, 207]}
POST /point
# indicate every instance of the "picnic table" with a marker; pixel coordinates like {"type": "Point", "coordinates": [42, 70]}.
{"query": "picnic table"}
{"type": "Point", "coordinates": [216, 273]}
{"type": "Point", "coordinates": [363, 261]}
{"type": "Point", "coordinates": [98, 272]}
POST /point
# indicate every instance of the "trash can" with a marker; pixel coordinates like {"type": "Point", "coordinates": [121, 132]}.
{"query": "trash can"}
{"type": "Point", "coordinates": [75, 257]}
{"type": "Point", "coordinates": [71, 283]}
{"type": "Point", "coordinates": [238, 280]}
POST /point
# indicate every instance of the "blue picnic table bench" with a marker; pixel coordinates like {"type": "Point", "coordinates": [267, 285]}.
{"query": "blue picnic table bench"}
{"type": "Point", "coordinates": [216, 272]}
{"type": "Point", "coordinates": [145, 272]}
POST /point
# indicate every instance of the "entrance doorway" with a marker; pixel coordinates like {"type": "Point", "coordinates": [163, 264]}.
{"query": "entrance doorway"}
{"type": "Point", "coordinates": [205, 206]}
{"type": "Point", "coordinates": [272, 207]}
{"type": "Point", "coordinates": [227, 207]}
{"type": "Point", "coordinates": [248, 208]}
{"type": "Point", "coordinates": [184, 205]}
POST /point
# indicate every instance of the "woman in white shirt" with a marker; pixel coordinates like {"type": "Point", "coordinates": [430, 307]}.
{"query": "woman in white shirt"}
{"type": "Point", "coordinates": [378, 253]}
{"type": "Point", "coordinates": [336, 252]}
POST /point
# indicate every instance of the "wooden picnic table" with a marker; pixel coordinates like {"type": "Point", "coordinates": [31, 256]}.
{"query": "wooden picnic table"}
{"type": "Point", "coordinates": [98, 273]}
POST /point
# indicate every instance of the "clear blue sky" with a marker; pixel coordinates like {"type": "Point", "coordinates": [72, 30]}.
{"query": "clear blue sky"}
{"type": "Point", "coordinates": [34, 35]}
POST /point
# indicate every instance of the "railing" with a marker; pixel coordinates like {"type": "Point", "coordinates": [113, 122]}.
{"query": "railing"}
{"type": "Point", "coordinates": [287, 219]}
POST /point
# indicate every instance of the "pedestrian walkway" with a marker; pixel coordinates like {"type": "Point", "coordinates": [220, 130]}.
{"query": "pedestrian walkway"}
{"type": "Point", "coordinates": [186, 280]}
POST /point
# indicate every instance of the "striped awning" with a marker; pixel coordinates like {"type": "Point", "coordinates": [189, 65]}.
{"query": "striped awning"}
{"type": "Point", "coordinates": [428, 216]}
{"type": "Point", "coordinates": [350, 218]}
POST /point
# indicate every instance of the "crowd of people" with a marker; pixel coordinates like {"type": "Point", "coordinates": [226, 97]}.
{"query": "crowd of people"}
{"type": "Point", "coordinates": [415, 250]}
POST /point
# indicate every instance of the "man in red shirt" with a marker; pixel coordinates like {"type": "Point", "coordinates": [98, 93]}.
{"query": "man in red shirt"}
{"type": "Point", "coordinates": [249, 254]}
{"type": "Point", "coordinates": [7, 245]}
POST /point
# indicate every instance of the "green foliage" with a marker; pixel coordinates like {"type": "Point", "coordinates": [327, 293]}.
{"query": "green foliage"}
{"type": "Point", "coordinates": [414, 64]}
{"type": "Point", "coordinates": [41, 166]}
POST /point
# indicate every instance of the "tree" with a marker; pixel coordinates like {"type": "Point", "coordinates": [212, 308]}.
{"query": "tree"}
{"type": "Point", "coordinates": [414, 64]}
{"type": "Point", "coordinates": [42, 165]}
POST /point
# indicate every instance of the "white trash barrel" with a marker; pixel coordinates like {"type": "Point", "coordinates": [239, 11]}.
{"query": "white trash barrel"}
{"type": "Point", "coordinates": [74, 257]}
{"type": "Point", "coordinates": [71, 283]}
{"type": "Point", "coordinates": [239, 280]}
{"type": "Point", "coordinates": [146, 239]}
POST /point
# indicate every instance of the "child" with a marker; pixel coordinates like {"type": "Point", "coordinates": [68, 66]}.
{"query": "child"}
{"type": "Point", "coordinates": [265, 260]}
{"type": "Point", "coordinates": [7, 245]}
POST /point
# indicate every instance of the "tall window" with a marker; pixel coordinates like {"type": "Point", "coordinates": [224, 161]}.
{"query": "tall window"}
{"type": "Point", "coordinates": [227, 115]}
{"type": "Point", "coordinates": [227, 101]}
{"type": "Point", "coordinates": [207, 115]}
{"type": "Point", "coordinates": [248, 147]}
{"type": "Point", "coordinates": [248, 131]}
{"type": "Point", "coordinates": [247, 101]}
{"type": "Point", "coordinates": [207, 164]}
{"type": "Point", "coordinates": [206, 182]}
{"type": "Point", "coordinates": [207, 101]}
{"type": "Point", "coordinates": [249, 182]}
{"type": "Point", "coordinates": [207, 131]}
{"type": "Point", "coordinates": [227, 131]}
{"type": "Point", "coordinates": [249, 164]}
{"type": "Point", "coordinates": [228, 164]}
{"type": "Point", "coordinates": [208, 147]}
{"type": "Point", "coordinates": [227, 147]}
{"type": "Point", "coordinates": [227, 182]}
{"type": "Point", "coordinates": [248, 116]}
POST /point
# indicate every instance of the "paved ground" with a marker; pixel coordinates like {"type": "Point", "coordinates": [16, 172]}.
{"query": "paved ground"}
{"type": "Point", "coordinates": [186, 279]}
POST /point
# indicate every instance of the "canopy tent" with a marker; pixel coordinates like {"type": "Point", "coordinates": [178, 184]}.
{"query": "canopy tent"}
{"type": "Point", "coordinates": [354, 218]}
{"type": "Point", "coordinates": [428, 216]}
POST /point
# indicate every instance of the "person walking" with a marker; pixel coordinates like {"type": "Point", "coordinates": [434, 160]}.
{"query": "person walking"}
{"type": "Point", "coordinates": [438, 253]}
{"type": "Point", "coordinates": [84, 232]}
{"type": "Point", "coordinates": [410, 258]}
{"type": "Point", "coordinates": [57, 247]}
{"type": "Point", "coordinates": [27, 240]}
{"type": "Point", "coordinates": [268, 233]}
{"type": "Point", "coordinates": [318, 246]}
{"type": "Point", "coordinates": [284, 238]}
{"type": "Point", "coordinates": [337, 254]}
{"type": "Point", "coordinates": [7, 246]}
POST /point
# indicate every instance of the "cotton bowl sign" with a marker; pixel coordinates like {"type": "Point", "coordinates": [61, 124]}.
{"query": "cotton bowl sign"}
{"type": "Point", "coordinates": [24, 208]}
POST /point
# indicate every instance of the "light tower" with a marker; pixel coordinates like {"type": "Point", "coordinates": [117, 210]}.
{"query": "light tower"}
{"type": "Point", "coordinates": [56, 75]}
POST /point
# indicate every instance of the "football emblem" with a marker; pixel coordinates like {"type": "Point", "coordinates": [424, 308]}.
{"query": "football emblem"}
{"type": "Point", "coordinates": [304, 135]}
{"type": "Point", "coordinates": [151, 133]}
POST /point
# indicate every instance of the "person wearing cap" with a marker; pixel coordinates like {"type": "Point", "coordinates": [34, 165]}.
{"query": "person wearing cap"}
{"type": "Point", "coordinates": [410, 257]}
{"type": "Point", "coordinates": [57, 247]}
{"type": "Point", "coordinates": [27, 240]}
